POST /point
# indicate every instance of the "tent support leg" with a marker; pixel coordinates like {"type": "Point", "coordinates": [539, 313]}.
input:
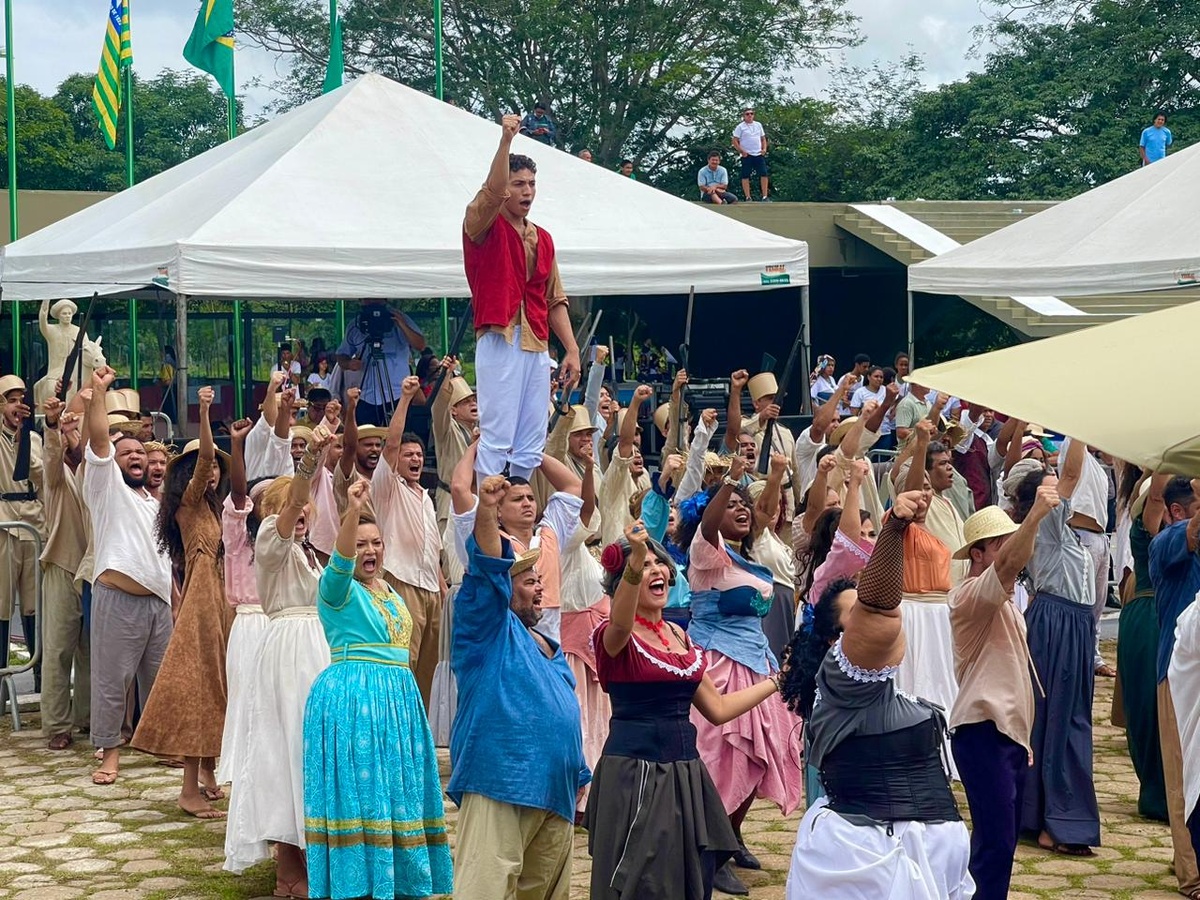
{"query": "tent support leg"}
{"type": "Point", "coordinates": [805, 349]}
{"type": "Point", "coordinates": [239, 389]}
{"type": "Point", "coordinates": [181, 362]}
{"type": "Point", "coordinates": [912, 333]}
{"type": "Point", "coordinates": [134, 357]}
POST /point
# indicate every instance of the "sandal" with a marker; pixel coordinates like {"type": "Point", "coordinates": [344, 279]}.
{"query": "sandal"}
{"type": "Point", "coordinates": [60, 741]}
{"type": "Point", "coordinates": [1106, 671]}
{"type": "Point", "coordinates": [288, 889]}
{"type": "Point", "coordinates": [103, 777]}
{"type": "Point", "coordinates": [212, 794]}
{"type": "Point", "coordinates": [1068, 849]}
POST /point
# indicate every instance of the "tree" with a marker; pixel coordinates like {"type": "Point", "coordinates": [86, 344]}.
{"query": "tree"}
{"type": "Point", "coordinates": [636, 78]}
{"type": "Point", "coordinates": [45, 143]}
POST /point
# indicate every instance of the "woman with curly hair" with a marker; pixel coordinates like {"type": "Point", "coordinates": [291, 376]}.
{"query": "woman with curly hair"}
{"type": "Point", "coordinates": [185, 713]}
{"type": "Point", "coordinates": [657, 829]}
{"type": "Point", "coordinates": [755, 756]}
{"type": "Point", "coordinates": [888, 827]}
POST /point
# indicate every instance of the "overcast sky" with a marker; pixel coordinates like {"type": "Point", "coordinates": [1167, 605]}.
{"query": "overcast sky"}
{"type": "Point", "coordinates": [55, 38]}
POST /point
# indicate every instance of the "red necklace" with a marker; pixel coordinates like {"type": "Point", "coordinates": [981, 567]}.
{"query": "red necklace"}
{"type": "Point", "coordinates": [659, 628]}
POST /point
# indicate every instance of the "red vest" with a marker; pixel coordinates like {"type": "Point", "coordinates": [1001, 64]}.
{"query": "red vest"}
{"type": "Point", "coordinates": [496, 273]}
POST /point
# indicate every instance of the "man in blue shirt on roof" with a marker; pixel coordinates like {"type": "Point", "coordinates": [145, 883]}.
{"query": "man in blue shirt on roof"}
{"type": "Point", "coordinates": [1175, 571]}
{"type": "Point", "coordinates": [1155, 140]}
{"type": "Point", "coordinates": [516, 748]}
{"type": "Point", "coordinates": [713, 181]}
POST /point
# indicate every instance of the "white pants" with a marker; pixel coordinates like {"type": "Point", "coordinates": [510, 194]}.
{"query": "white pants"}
{"type": "Point", "coordinates": [513, 392]}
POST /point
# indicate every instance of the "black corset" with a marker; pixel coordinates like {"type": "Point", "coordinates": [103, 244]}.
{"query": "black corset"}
{"type": "Point", "coordinates": [891, 777]}
{"type": "Point", "coordinates": [650, 720]}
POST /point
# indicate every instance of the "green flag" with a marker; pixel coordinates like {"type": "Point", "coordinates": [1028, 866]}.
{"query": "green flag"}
{"type": "Point", "coordinates": [335, 71]}
{"type": "Point", "coordinates": [211, 45]}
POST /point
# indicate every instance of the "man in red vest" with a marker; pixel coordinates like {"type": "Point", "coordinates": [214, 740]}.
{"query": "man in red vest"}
{"type": "Point", "coordinates": [518, 300]}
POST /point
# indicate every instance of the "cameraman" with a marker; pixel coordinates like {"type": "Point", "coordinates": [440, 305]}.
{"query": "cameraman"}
{"type": "Point", "coordinates": [397, 339]}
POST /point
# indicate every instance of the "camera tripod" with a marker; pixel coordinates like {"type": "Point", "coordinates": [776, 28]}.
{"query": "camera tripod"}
{"type": "Point", "coordinates": [375, 373]}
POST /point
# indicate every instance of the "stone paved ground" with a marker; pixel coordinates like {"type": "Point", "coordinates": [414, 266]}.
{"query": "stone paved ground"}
{"type": "Point", "coordinates": [63, 838]}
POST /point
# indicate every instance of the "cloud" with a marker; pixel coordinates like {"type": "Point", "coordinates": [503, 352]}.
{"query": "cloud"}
{"type": "Point", "coordinates": [942, 31]}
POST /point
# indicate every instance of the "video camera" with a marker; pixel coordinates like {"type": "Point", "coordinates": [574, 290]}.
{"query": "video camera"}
{"type": "Point", "coordinates": [375, 321]}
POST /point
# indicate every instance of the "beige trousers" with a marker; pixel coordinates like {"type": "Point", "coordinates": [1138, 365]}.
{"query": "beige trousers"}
{"type": "Point", "coordinates": [1186, 871]}
{"type": "Point", "coordinates": [507, 852]}
{"type": "Point", "coordinates": [18, 575]}
{"type": "Point", "coordinates": [65, 646]}
{"type": "Point", "coordinates": [425, 607]}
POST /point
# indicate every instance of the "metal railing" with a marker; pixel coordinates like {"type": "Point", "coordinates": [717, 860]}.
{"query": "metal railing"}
{"type": "Point", "coordinates": [8, 674]}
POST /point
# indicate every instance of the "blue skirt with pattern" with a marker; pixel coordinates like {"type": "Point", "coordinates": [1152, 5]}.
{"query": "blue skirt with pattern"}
{"type": "Point", "coordinates": [374, 820]}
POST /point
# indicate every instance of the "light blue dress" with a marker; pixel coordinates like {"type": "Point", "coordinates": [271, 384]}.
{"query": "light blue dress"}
{"type": "Point", "coordinates": [374, 820]}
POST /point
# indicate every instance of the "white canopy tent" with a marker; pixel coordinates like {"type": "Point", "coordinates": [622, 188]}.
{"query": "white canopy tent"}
{"type": "Point", "coordinates": [1140, 232]}
{"type": "Point", "coordinates": [360, 193]}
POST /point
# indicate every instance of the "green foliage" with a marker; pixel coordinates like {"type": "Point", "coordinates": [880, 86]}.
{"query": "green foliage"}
{"type": "Point", "coordinates": [644, 79]}
{"type": "Point", "coordinates": [177, 115]}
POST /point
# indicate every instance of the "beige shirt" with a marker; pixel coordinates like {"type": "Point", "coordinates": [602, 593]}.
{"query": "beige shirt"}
{"type": "Point", "coordinates": [67, 540]}
{"type": "Point", "coordinates": [945, 524]}
{"type": "Point", "coordinates": [285, 576]}
{"type": "Point", "coordinates": [612, 497]}
{"type": "Point", "coordinates": [482, 213]}
{"type": "Point", "coordinates": [28, 511]}
{"type": "Point", "coordinates": [412, 543]}
{"type": "Point", "coordinates": [991, 658]}
{"type": "Point", "coordinates": [86, 571]}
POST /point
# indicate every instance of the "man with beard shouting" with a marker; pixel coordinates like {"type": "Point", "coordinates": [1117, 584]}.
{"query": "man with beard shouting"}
{"type": "Point", "coordinates": [131, 595]}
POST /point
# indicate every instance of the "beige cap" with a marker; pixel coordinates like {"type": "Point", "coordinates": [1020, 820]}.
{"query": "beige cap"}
{"type": "Point", "coordinates": [621, 418]}
{"type": "Point", "coordinates": [835, 436]}
{"type": "Point", "coordinates": [662, 417]}
{"type": "Point", "coordinates": [460, 390]}
{"type": "Point", "coordinates": [301, 431]}
{"type": "Point", "coordinates": [133, 400]}
{"type": "Point", "coordinates": [525, 561]}
{"type": "Point", "coordinates": [11, 383]}
{"type": "Point", "coordinates": [989, 522]}
{"type": "Point", "coordinates": [763, 385]}
{"type": "Point", "coordinates": [62, 307]}
{"type": "Point", "coordinates": [118, 402]}
{"type": "Point", "coordinates": [581, 420]}
{"type": "Point", "coordinates": [372, 431]}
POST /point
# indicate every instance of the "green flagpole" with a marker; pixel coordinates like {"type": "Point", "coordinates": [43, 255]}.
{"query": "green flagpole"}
{"type": "Point", "coordinates": [438, 92]}
{"type": "Point", "coordinates": [11, 128]}
{"type": "Point", "coordinates": [239, 387]}
{"type": "Point", "coordinates": [130, 180]}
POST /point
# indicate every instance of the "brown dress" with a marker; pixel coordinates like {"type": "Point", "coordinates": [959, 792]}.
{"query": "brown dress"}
{"type": "Point", "coordinates": [185, 713]}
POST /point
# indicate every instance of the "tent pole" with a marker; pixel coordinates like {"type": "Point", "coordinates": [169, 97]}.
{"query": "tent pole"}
{"type": "Point", "coordinates": [805, 347]}
{"type": "Point", "coordinates": [912, 333]}
{"type": "Point", "coordinates": [239, 401]}
{"type": "Point", "coordinates": [339, 318]}
{"type": "Point", "coordinates": [134, 357]}
{"type": "Point", "coordinates": [181, 362]}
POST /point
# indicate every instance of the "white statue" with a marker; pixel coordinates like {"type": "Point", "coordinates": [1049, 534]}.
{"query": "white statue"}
{"type": "Point", "coordinates": [60, 337]}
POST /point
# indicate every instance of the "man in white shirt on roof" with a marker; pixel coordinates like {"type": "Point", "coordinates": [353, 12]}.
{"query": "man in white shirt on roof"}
{"type": "Point", "coordinates": [131, 595]}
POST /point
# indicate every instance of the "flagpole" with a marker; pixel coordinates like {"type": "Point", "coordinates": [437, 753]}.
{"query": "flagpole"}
{"type": "Point", "coordinates": [239, 401]}
{"type": "Point", "coordinates": [438, 90]}
{"type": "Point", "coordinates": [130, 180]}
{"type": "Point", "coordinates": [11, 129]}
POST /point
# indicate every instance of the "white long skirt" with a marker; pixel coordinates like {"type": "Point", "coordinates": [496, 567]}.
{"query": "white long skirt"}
{"type": "Point", "coordinates": [927, 670]}
{"type": "Point", "coordinates": [241, 656]}
{"type": "Point", "coordinates": [268, 793]}
{"type": "Point", "coordinates": [1184, 678]}
{"type": "Point", "coordinates": [917, 861]}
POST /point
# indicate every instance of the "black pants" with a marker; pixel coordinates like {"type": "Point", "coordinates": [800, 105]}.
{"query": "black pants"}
{"type": "Point", "coordinates": [992, 767]}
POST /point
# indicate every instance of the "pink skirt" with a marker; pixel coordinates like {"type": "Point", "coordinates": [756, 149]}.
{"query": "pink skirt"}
{"type": "Point", "coordinates": [595, 710]}
{"type": "Point", "coordinates": [757, 753]}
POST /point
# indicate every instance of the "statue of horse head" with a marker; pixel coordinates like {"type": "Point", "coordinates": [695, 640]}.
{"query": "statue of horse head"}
{"type": "Point", "coordinates": [93, 354]}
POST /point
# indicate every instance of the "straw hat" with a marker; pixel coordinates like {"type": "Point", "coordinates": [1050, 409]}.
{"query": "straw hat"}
{"type": "Point", "coordinates": [118, 422]}
{"type": "Point", "coordinates": [989, 522]}
{"type": "Point", "coordinates": [835, 436]}
{"type": "Point", "coordinates": [193, 446]}
{"type": "Point", "coordinates": [713, 461]}
{"type": "Point", "coordinates": [460, 390]}
{"type": "Point", "coordinates": [1035, 431]}
{"type": "Point", "coordinates": [763, 385]}
{"type": "Point", "coordinates": [63, 307]}
{"type": "Point", "coordinates": [133, 400]}
{"type": "Point", "coordinates": [301, 431]}
{"type": "Point", "coordinates": [525, 561]}
{"type": "Point", "coordinates": [662, 417]}
{"type": "Point", "coordinates": [372, 431]}
{"type": "Point", "coordinates": [581, 420]}
{"type": "Point", "coordinates": [11, 383]}
{"type": "Point", "coordinates": [116, 402]}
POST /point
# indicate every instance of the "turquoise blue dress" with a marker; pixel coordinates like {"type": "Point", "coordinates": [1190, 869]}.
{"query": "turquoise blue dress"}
{"type": "Point", "coordinates": [373, 815]}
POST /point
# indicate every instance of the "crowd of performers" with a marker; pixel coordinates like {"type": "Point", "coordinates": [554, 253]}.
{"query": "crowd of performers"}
{"type": "Point", "coordinates": [641, 653]}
